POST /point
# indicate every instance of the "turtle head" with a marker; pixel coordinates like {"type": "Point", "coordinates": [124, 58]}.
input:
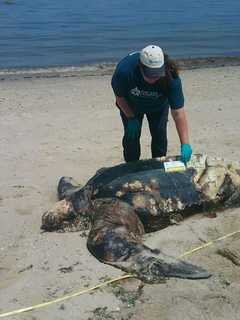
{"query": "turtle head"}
{"type": "Point", "coordinates": [80, 197]}
{"type": "Point", "coordinates": [81, 200]}
{"type": "Point", "coordinates": [55, 218]}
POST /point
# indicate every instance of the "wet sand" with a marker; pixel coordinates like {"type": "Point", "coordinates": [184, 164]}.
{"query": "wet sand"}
{"type": "Point", "coordinates": [54, 126]}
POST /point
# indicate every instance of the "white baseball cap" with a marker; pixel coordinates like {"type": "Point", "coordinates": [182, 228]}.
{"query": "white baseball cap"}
{"type": "Point", "coordinates": [152, 59]}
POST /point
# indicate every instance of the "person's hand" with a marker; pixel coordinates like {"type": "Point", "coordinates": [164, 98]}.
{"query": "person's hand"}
{"type": "Point", "coordinates": [186, 152]}
{"type": "Point", "coordinates": [133, 128]}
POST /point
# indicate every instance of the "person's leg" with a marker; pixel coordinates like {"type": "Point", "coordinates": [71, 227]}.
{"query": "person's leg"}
{"type": "Point", "coordinates": [131, 147]}
{"type": "Point", "coordinates": [157, 122]}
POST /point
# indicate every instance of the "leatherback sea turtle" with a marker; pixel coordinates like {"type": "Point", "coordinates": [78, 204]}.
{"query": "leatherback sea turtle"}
{"type": "Point", "coordinates": [125, 201]}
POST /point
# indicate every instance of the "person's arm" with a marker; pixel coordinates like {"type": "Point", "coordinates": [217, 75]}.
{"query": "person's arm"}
{"type": "Point", "coordinates": [124, 106]}
{"type": "Point", "coordinates": [133, 129]}
{"type": "Point", "coordinates": [180, 119]}
{"type": "Point", "coordinates": [121, 88]}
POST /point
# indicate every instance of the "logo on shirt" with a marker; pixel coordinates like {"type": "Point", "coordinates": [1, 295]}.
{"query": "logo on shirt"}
{"type": "Point", "coordinates": [136, 92]}
{"type": "Point", "coordinates": [145, 94]}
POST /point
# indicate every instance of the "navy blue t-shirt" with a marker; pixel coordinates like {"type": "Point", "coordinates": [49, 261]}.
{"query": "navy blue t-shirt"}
{"type": "Point", "coordinates": [128, 82]}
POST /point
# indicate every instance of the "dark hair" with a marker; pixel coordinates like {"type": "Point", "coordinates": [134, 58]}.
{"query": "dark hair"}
{"type": "Point", "coordinates": [171, 72]}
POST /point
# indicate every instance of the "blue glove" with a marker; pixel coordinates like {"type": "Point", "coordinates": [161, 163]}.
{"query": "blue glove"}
{"type": "Point", "coordinates": [133, 128]}
{"type": "Point", "coordinates": [186, 152]}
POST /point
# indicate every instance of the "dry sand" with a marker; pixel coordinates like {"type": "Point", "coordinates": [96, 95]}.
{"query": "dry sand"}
{"type": "Point", "coordinates": [69, 126]}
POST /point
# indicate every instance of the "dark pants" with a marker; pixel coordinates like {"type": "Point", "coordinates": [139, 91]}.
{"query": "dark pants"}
{"type": "Point", "coordinates": [157, 122]}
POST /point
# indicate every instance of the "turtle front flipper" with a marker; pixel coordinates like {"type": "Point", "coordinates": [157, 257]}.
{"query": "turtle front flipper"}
{"type": "Point", "coordinates": [154, 267]}
{"type": "Point", "coordinates": [115, 239]}
{"type": "Point", "coordinates": [67, 186]}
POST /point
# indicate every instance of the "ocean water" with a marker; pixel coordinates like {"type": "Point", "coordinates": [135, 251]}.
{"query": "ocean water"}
{"type": "Point", "coordinates": [43, 33]}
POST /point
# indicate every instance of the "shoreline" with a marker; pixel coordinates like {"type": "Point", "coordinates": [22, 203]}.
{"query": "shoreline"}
{"type": "Point", "coordinates": [102, 69]}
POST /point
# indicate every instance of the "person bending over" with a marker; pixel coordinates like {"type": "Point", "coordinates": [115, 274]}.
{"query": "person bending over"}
{"type": "Point", "coordinates": [148, 83]}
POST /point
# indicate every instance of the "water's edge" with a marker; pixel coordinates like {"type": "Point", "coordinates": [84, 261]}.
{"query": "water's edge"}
{"type": "Point", "coordinates": [107, 68]}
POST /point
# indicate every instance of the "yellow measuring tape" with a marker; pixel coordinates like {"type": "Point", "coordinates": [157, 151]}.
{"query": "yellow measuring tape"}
{"type": "Point", "coordinates": [78, 293]}
{"type": "Point", "coordinates": [208, 244]}
{"type": "Point", "coordinates": [66, 297]}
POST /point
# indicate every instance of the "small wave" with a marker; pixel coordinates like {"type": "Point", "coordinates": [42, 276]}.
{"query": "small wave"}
{"type": "Point", "coordinates": [58, 71]}
{"type": "Point", "coordinates": [108, 68]}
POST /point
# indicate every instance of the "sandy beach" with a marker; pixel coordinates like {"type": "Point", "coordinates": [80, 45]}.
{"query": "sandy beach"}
{"type": "Point", "coordinates": [69, 126]}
